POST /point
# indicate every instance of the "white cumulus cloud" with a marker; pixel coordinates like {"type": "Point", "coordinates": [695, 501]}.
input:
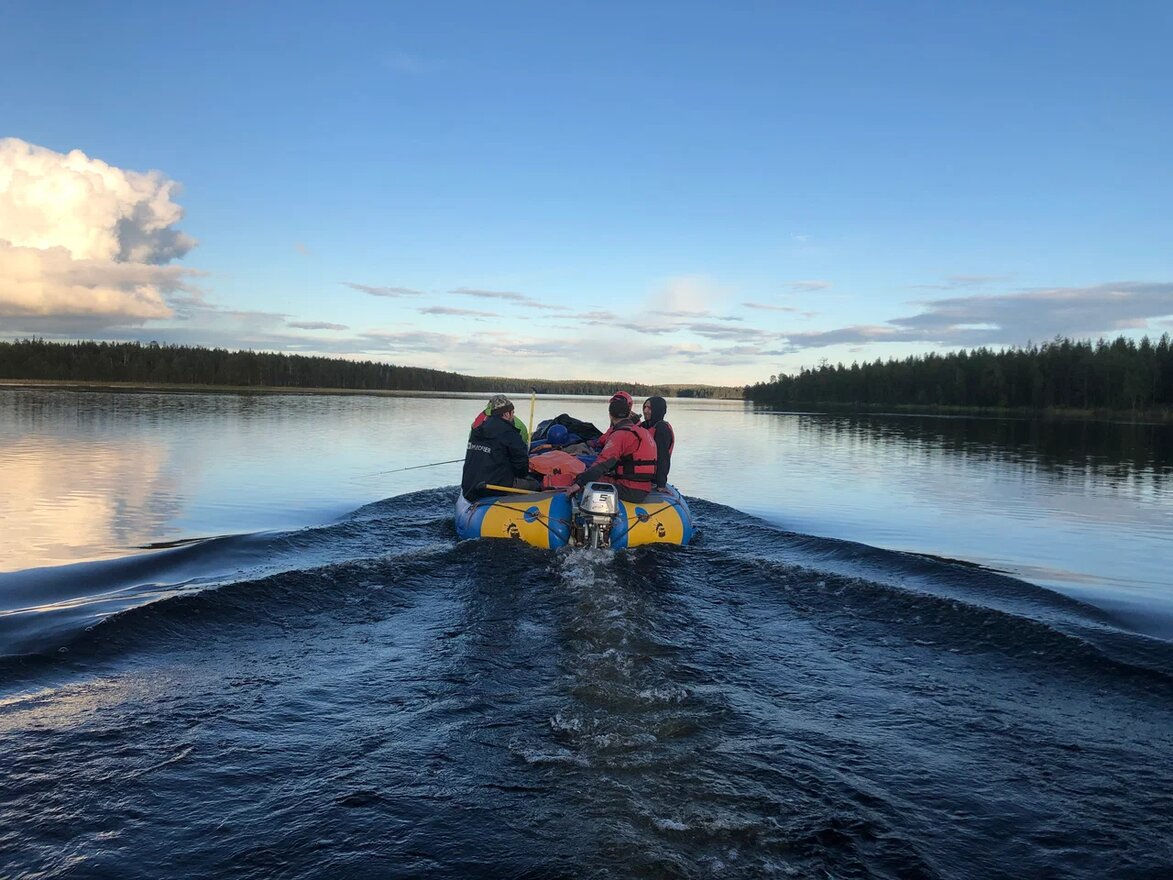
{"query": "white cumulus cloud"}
{"type": "Point", "coordinates": [82, 241]}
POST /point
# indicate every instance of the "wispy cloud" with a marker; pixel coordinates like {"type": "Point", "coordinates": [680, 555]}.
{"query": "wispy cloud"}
{"type": "Point", "coordinates": [663, 323]}
{"type": "Point", "coordinates": [598, 317]}
{"type": "Point", "coordinates": [1013, 319]}
{"type": "Point", "coordinates": [768, 307]}
{"type": "Point", "coordinates": [722, 331]}
{"type": "Point", "coordinates": [475, 350]}
{"type": "Point", "coordinates": [316, 325]}
{"type": "Point", "coordinates": [345, 347]}
{"type": "Point", "coordinates": [509, 296]}
{"type": "Point", "coordinates": [724, 356]}
{"type": "Point", "coordinates": [973, 280]}
{"type": "Point", "coordinates": [254, 317]}
{"type": "Point", "coordinates": [406, 341]}
{"type": "Point", "coordinates": [384, 291]}
{"type": "Point", "coordinates": [959, 282]}
{"type": "Point", "coordinates": [809, 286]}
{"type": "Point", "coordinates": [450, 310]}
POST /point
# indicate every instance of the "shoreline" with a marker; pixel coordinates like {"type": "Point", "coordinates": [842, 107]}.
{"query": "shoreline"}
{"type": "Point", "coordinates": [184, 388]}
{"type": "Point", "coordinates": [1139, 417]}
{"type": "Point", "coordinates": [1133, 417]}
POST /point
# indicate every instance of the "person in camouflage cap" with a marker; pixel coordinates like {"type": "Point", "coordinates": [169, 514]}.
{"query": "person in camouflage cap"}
{"type": "Point", "coordinates": [498, 452]}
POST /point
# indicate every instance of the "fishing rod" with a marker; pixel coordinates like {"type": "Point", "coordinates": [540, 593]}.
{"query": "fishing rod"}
{"type": "Point", "coordinates": [416, 467]}
{"type": "Point", "coordinates": [533, 398]}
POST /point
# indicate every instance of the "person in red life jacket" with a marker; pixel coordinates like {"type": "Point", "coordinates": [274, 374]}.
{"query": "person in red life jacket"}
{"type": "Point", "coordinates": [601, 441]}
{"type": "Point", "coordinates": [628, 459]}
{"type": "Point", "coordinates": [496, 453]}
{"type": "Point", "coordinates": [655, 408]}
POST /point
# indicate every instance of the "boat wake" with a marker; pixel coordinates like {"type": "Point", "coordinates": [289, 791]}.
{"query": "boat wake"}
{"type": "Point", "coordinates": [760, 702]}
{"type": "Point", "coordinates": [43, 611]}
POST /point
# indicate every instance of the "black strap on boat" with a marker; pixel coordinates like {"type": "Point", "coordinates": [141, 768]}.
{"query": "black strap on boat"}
{"type": "Point", "coordinates": [669, 504]}
{"type": "Point", "coordinates": [523, 510]}
{"type": "Point", "coordinates": [540, 517]}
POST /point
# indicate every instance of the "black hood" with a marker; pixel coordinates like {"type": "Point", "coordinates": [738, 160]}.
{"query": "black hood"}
{"type": "Point", "coordinates": [492, 428]}
{"type": "Point", "coordinates": [659, 409]}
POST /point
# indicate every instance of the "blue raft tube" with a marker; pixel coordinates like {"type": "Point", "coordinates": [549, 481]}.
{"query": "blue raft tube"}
{"type": "Point", "coordinates": [598, 518]}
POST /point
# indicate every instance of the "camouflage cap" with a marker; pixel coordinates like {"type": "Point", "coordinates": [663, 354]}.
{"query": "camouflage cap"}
{"type": "Point", "coordinates": [499, 403]}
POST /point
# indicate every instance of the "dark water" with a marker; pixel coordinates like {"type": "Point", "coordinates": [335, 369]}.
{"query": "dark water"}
{"type": "Point", "coordinates": [370, 698]}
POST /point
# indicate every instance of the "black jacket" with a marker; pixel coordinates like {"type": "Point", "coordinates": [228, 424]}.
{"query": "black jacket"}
{"type": "Point", "coordinates": [665, 439]}
{"type": "Point", "coordinates": [496, 454]}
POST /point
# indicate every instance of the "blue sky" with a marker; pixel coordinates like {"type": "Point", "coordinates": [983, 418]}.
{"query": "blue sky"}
{"type": "Point", "coordinates": [643, 191]}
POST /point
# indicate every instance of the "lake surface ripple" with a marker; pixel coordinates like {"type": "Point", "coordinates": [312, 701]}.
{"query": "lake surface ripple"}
{"type": "Point", "coordinates": [902, 647]}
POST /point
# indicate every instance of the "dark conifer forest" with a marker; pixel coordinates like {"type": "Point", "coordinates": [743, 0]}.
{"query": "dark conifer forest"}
{"type": "Point", "coordinates": [152, 363]}
{"type": "Point", "coordinates": [1120, 375]}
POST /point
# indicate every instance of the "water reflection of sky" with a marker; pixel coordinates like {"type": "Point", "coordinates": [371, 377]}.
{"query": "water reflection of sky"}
{"type": "Point", "coordinates": [87, 475]}
{"type": "Point", "coordinates": [72, 498]}
{"type": "Point", "coordinates": [1073, 516]}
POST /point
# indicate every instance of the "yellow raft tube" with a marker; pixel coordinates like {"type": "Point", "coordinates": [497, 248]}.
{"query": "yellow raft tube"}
{"type": "Point", "coordinates": [552, 519]}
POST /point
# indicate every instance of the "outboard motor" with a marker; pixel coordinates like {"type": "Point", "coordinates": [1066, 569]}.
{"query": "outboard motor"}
{"type": "Point", "coordinates": [597, 508]}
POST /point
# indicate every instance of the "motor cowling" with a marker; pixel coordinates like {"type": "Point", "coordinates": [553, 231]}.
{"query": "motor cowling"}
{"type": "Point", "coordinates": [597, 508]}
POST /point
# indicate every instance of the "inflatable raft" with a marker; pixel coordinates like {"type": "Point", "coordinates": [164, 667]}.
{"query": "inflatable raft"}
{"type": "Point", "coordinates": [596, 517]}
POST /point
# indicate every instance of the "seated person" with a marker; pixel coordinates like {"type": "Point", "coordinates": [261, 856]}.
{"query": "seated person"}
{"type": "Point", "coordinates": [517, 423]}
{"type": "Point", "coordinates": [655, 408]}
{"type": "Point", "coordinates": [601, 441]}
{"type": "Point", "coordinates": [496, 454]}
{"type": "Point", "coordinates": [628, 459]}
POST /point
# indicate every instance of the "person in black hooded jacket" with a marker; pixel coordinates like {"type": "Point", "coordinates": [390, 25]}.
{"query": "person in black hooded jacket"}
{"type": "Point", "coordinates": [655, 408]}
{"type": "Point", "coordinates": [496, 454]}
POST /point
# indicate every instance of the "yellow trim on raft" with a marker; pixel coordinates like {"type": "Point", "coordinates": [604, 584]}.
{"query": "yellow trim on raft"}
{"type": "Point", "coordinates": [508, 520]}
{"type": "Point", "coordinates": [661, 524]}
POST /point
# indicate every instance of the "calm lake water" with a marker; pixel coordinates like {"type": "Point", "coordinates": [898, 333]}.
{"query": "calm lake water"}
{"type": "Point", "coordinates": [1083, 507]}
{"type": "Point", "coordinates": [237, 640]}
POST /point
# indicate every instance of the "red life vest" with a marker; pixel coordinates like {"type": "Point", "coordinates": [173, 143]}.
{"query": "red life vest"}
{"type": "Point", "coordinates": [638, 468]}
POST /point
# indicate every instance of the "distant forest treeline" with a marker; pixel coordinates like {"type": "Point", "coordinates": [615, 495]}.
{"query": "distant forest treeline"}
{"type": "Point", "coordinates": [1118, 375]}
{"type": "Point", "coordinates": [192, 365]}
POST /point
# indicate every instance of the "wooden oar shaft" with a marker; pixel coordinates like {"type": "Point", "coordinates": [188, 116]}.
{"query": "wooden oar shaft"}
{"type": "Point", "coordinates": [510, 489]}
